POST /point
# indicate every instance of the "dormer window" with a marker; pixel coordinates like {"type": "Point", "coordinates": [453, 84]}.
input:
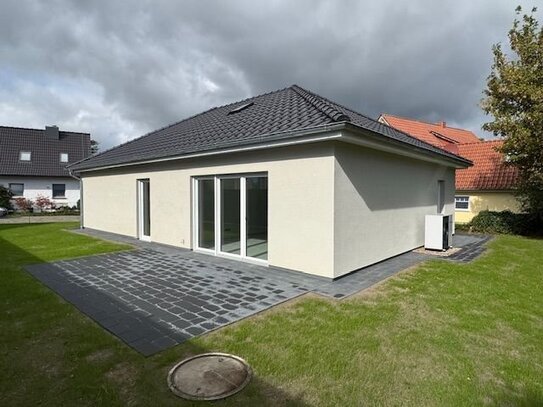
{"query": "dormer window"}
{"type": "Point", "coordinates": [25, 156]}
{"type": "Point", "coordinates": [63, 157]}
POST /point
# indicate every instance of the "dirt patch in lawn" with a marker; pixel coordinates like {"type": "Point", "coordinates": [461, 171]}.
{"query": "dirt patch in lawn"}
{"type": "Point", "coordinates": [100, 356]}
{"type": "Point", "coordinates": [124, 376]}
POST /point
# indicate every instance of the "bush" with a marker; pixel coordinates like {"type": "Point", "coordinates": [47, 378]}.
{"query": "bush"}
{"type": "Point", "coordinates": [43, 203]}
{"type": "Point", "coordinates": [506, 222]}
{"type": "Point", "coordinates": [23, 204]}
{"type": "Point", "coordinates": [5, 197]}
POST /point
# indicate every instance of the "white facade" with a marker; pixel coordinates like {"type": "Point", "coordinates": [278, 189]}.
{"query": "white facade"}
{"type": "Point", "coordinates": [36, 186]}
{"type": "Point", "coordinates": [333, 207]}
{"type": "Point", "coordinates": [380, 203]}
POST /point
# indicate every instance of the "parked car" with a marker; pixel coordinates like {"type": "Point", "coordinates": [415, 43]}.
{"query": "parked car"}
{"type": "Point", "coordinates": [3, 212]}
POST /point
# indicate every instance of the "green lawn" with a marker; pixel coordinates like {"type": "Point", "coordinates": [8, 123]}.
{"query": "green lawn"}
{"type": "Point", "coordinates": [440, 334]}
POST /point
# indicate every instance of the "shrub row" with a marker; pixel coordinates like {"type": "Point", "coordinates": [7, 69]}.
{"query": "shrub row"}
{"type": "Point", "coordinates": [506, 222]}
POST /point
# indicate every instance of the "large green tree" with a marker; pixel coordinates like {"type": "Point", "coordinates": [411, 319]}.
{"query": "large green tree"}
{"type": "Point", "coordinates": [514, 98]}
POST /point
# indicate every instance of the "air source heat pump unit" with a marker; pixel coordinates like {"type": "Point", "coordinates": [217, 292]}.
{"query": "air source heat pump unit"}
{"type": "Point", "coordinates": [438, 232]}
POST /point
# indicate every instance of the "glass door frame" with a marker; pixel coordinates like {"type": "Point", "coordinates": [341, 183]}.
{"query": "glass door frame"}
{"type": "Point", "coordinates": [218, 221]}
{"type": "Point", "coordinates": [141, 209]}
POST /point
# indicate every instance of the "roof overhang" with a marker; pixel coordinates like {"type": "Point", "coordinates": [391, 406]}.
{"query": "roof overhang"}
{"type": "Point", "coordinates": [343, 132]}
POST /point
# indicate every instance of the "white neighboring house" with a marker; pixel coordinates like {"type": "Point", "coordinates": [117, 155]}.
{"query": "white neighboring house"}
{"type": "Point", "coordinates": [33, 162]}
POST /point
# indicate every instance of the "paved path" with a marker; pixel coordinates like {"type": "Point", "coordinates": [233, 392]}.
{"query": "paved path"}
{"type": "Point", "coordinates": [158, 296]}
{"type": "Point", "coordinates": [39, 219]}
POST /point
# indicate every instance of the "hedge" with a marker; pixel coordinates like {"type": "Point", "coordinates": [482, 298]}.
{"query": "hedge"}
{"type": "Point", "coordinates": [506, 222]}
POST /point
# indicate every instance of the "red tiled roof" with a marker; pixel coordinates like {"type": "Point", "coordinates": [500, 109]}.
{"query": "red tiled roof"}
{"type": "Point", "coordinates": [437, 134]}
{"type": "Point", "coordinates": [489, 170]}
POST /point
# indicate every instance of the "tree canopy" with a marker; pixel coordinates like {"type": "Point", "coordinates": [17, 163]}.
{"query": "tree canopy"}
{"type": "Point", "coordinates": [514, 98]}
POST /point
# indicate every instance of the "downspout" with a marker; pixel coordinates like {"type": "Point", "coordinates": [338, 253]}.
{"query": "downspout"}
{"type": "Point", "coordinates": [81, 224]}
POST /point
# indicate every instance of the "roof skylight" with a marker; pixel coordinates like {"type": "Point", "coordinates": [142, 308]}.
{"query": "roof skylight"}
{"type": "Point", "coordinates": [240, 108]}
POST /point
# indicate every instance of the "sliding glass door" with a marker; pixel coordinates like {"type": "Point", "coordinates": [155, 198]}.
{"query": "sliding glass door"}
{"type": "Point", "coordinates": [230, 212]}
{"type": "Point", "coordinates": [257, 217]}
{"type": "Point", "coordinates": [231, 215]}
{"type": "Point", "coordinates": [206, 211]}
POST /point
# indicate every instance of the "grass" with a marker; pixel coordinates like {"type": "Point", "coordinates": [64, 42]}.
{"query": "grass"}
{"type": "Point", "coordinates": [438, 334]}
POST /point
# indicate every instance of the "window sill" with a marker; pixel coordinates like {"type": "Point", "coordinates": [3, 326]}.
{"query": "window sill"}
{"type": "Point", "coordinates": [59, 197]}
{"type": "Point", "coordinates": [462, 210]}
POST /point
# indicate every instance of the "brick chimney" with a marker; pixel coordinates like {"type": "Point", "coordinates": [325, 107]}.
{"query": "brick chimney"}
{"type": "Point", "coordinates": [442, 124]}
{"type": "Point", "coordinates": [51, 132]}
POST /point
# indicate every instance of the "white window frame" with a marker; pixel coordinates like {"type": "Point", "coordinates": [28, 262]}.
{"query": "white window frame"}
{"type": "Point", "coordinates": [62, 155]}
{"type": "Point", "coordinates": [141, 235]}
{"type": "Point", "coordinates": [243, 211]}
{"type": "Point", "coordinates": [23, 154]}
{"type": "Point", "coordinates": [195, 213]}
{"type": "Point", "coordinates": [461, 209]}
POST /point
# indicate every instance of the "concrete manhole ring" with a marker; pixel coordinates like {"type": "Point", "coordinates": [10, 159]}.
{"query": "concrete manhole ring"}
{"type": "Point", "coordinates": [209, 376]}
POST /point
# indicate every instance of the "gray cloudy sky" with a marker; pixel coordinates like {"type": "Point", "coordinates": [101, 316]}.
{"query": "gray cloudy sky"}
{"type": "Point", "coordinates": [118, 69]}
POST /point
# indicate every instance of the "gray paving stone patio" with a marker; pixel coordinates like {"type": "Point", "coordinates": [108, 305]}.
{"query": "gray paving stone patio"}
{"type": "Point", "coordinates": [158, 296]}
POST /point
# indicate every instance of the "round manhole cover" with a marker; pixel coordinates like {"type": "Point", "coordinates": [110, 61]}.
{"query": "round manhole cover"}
{"type": "Point", "coordinates": [209, 376]}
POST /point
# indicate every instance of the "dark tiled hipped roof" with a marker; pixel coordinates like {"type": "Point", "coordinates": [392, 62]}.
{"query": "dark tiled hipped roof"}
{"type": "Point", "coordinates": [267, 117]}
{"type": "Point", "coordinates": [45, 151]}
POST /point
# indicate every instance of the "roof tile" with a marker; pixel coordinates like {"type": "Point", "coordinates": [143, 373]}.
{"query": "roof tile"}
{"type": "Point", "coordinates": [489, 171]}
{"type": "Point", "coordinates": [45, 152]}
{"type": "Point", "coordinates": [270, 115]}
{"type": "Point", "coordinates": [431, 132]}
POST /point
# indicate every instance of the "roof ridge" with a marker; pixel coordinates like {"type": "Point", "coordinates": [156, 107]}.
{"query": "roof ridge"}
{"type": "Point", "coordinates": [425, 122]}
{"type": "Point", "coordinates": [321, 104]}
{"type": "Point", "coordinates": [35, 129]}
{"type": "Point", "coordinates": [481, 142]}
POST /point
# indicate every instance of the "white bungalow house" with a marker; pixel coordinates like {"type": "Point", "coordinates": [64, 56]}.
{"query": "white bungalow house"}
{"type": "Point", "coordinates": [287, 179]}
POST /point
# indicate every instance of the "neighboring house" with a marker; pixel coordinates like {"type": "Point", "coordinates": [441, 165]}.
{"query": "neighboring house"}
{"type": "Point", "coordinates": [488, 185]}
{"type": "Point", "coordinates": [33, 162]}
{"type": "Point", "coordinates": [437, 134]}
{"type": "Point", "coordinates": [287, 179]}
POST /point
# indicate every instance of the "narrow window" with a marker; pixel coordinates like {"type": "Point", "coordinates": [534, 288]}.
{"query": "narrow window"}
{"type": "Point", "coordinates": [17, 189]}
{"type": "Point", "coordinates": [25, 155]}
{"type": "Point", "coordinates": [63, 157]}
{"type": "Point", "coordinates": [59, 190]}
{"type": "Point", "coordinates": [461, 203]}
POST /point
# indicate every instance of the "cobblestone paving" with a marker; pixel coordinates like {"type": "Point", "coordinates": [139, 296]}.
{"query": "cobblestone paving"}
{"type": "Point", "coordinates": [472, 247]}
{"type": "Point", "coordinates": [156, 297]}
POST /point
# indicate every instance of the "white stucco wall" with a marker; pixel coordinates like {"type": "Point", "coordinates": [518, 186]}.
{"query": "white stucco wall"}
{"type": "Point", "coordinates": [300, 201]}
{"type": "Point", "coordinates": [332, 207]}
{"type": "Point", "coordinates": [380, 203]}
{"type": "Point", "coordinates": [35, 186]}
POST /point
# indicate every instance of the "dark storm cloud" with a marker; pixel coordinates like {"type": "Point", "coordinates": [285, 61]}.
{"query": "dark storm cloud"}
{"type": "Point", "coordinates": [121, 68]}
